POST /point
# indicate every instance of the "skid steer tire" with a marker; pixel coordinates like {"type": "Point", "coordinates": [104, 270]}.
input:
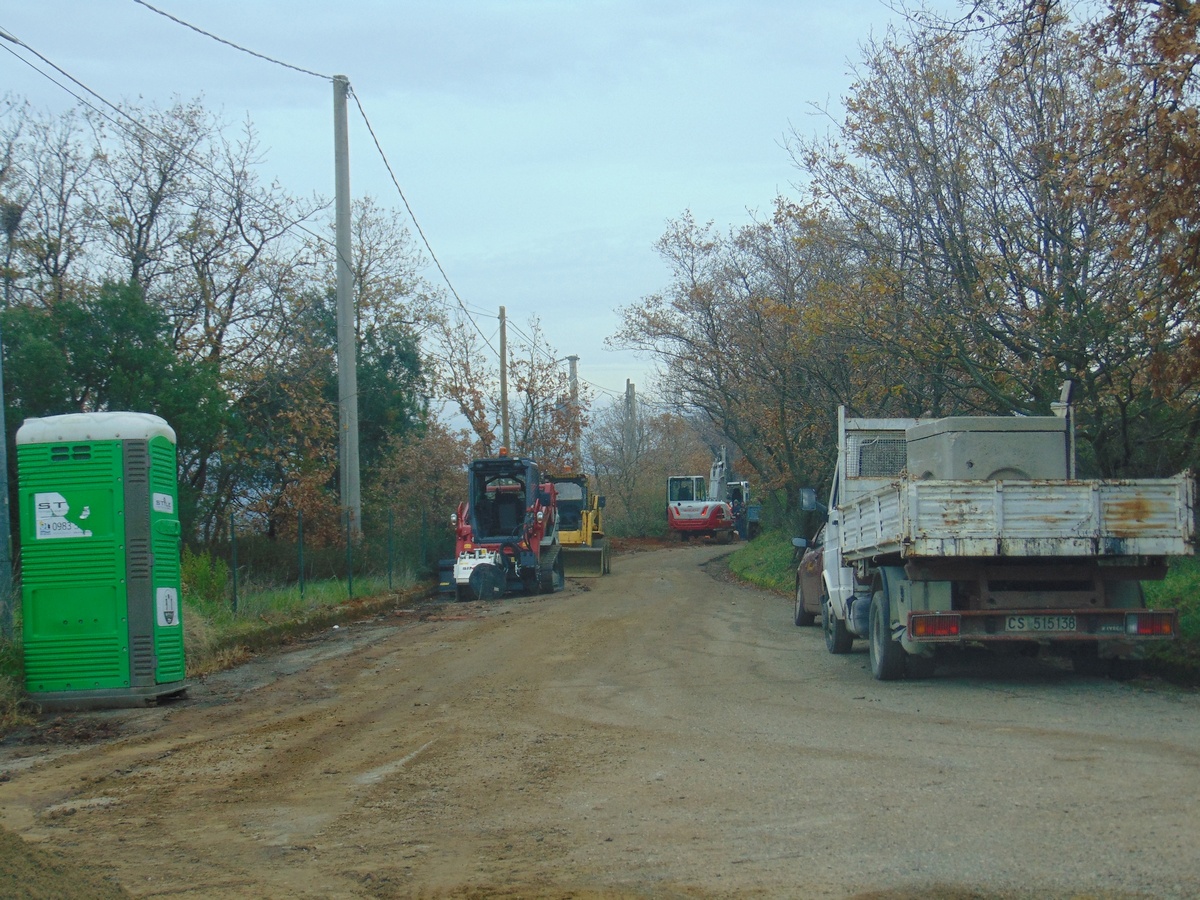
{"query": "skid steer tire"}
{"type": "Point", "coordinates": [550, 571]}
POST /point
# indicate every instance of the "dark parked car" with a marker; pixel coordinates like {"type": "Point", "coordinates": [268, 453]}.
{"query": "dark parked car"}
{"type": "Point", "coordinates": [810, 588]}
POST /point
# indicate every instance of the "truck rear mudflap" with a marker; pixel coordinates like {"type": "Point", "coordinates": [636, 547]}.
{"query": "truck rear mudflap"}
{"type": "Point", "coordinates": [1082, 625]}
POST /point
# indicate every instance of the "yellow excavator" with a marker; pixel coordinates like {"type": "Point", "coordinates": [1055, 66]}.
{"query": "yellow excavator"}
{"type": "Point", "coordinates": [584, 548]}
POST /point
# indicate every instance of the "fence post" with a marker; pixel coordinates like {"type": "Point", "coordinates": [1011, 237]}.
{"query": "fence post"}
{"type": "Point", "coordinates": [389, 549]}
{"type": "Point", "coordinates": [424, 542]}
{"type": "Point", "coordinates": [300, 547]}
{"type": "Point", "coordinates": [349, 560]}
{"type": "Point", "coordinates": [233, 559]}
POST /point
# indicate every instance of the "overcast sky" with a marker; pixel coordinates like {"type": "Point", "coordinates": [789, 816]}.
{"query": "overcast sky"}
{"type": "Point", "coordinates": [543, 144]}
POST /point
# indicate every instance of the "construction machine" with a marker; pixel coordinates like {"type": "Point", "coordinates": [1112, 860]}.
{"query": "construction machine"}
{"type": "Point", "coordinates": [585, 551]}
{"type": "Point", "coordinates": [506, 533]}
{"type": "Point", "coordinates": [747, 515]}
{"type": "Point", "coordinates": [696, 508]}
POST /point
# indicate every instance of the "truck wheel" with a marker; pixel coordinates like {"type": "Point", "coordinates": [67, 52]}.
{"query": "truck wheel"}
{"type": "Point", "coordinates": [887, 656]}
{"type": "Point", "coordinates": [800, 615]}
{"type": "Point", "coordinates": [838, 638]}
{"type": "Point", "coordinates": [462, 593]}
{"type": "Point", "coordinates": [1124, 669]}
{"type": "Point", "coordinates": [1087, 661]}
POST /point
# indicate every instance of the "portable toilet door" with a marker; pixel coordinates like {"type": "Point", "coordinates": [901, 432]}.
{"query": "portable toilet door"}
{"type": "Point", "coordinates": [100, 567]}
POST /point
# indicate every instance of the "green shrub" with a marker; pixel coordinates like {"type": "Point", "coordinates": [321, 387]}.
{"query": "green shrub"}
{"type": "Point", "coordinates": [15, 709]}
{"type": "Point", "coordinates": [205, 578]}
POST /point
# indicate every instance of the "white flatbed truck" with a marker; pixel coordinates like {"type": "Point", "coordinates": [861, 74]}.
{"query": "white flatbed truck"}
{"type": "Point", "coordinates": [973, 530]}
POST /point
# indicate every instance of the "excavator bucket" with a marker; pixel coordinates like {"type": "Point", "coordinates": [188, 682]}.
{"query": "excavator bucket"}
{"type": "Point", "coordinates": [582, 561]}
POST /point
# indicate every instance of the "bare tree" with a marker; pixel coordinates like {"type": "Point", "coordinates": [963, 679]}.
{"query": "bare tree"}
{"type": "Point", "coordinates": [965, 177]}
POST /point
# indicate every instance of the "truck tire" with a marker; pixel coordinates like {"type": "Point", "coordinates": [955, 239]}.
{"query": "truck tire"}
{"type": "Point", "coordinates": [838, 638]}
{"type": "Point", "coordinates": [1087, 661]}
{"type": "Point", "coordinates": [887, 656]}
{"type": "Point", "coordinates": [801, 616]}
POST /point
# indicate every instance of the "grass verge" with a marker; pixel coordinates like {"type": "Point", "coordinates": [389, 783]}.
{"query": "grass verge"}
{"type": "Point", "coordinates": [216, 637]}
{"type": "Point", "coordinates": [766, 562]}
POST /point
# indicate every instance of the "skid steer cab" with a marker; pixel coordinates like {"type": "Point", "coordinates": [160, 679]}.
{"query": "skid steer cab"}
{"type": "Point", "coordinates": [506, 533]}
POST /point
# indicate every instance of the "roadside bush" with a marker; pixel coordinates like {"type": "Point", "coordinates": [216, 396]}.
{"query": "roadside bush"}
{"type": "Point", "coordinates": [205, 578]}
{"type": "Point", "coordinates": [1180, 590]}
{"type": "Point", "coordinates": [15, 709]}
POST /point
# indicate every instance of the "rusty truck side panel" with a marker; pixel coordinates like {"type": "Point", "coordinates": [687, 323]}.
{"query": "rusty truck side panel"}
{"type": "Point", "coordinates": [1137, 517]}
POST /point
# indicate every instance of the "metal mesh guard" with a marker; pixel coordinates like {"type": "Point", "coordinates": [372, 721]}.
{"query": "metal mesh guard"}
{"type": "Point", "coordinates": [876, 457]}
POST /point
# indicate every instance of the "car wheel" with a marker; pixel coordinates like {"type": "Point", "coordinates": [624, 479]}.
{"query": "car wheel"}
{"type": "Point", "coordinates": [801, 616]}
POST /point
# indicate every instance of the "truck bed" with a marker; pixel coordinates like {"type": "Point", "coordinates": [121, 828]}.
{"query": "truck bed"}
{"type": "Point", "coordinates": [930, 518]}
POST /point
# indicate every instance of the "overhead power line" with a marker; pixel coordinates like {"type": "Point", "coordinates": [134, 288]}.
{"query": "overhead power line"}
{"type": "Point", "coordinates": [221, 40]}
{"type": "Point", "coordinates": [374, 137]}
{"type": "Point", "coordinates": [391, 174]}
{"type": "Point", "coordinates": [146, 131]}
{"type": "Point", "coordinates": [297, 223]}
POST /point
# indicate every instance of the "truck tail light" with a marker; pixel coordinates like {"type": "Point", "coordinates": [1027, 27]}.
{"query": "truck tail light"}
{"type": "Point", "coordinates": [934, 625]}
{"type": "Point", "coordinates": [1150, 623]}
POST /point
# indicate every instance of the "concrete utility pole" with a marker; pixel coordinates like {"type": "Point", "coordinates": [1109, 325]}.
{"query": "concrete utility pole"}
{"type": "Point", "coordinates": [346, 332]}
{"type": "Point", "coordinates": [6, 579]}
{"type": "Point", "coordinates": [630, 417]}
{"type": "Point", "coordinates": [577, 429]}
{"type": "Point", "coordinates": [503, 380]}
{"type": "Point", "coordinates": [10, 219]}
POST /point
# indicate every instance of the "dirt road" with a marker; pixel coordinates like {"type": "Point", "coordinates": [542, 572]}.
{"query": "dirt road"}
{"type": "Point", "coordinates": [659, 732]}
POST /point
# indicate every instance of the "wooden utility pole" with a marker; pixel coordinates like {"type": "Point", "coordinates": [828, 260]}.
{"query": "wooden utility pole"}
{"type": "Point", "coordinates": [346, 331]}
{"type": "Point", "coordinates": [503, 380]}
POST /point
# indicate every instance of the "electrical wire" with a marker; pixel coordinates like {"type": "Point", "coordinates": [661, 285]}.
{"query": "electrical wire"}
{"type": "Point", "coordinates": [383, 156]}
{"type": "Point", "coordinates": [297, 223]}
{"type": "Point", "coordinates": [222, 40]}
{"type": "Point", "coordinates": [374, 138]}
{"type": "Point", "coordinates": [122, 114]}
{"type": "Point", "coordinates": [396, 183]}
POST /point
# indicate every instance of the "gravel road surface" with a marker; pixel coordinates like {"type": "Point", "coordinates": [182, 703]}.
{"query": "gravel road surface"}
{"type": "Point", "coordinates": [660, 732]}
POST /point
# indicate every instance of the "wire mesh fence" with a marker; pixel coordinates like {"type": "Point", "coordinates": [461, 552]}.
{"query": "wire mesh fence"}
{"type": "Point", "coordinates": [384, 554]}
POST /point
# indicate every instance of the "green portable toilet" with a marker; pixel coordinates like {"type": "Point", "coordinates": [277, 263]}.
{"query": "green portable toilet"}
{"type": "Point", "coordinates": [100, 559]}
